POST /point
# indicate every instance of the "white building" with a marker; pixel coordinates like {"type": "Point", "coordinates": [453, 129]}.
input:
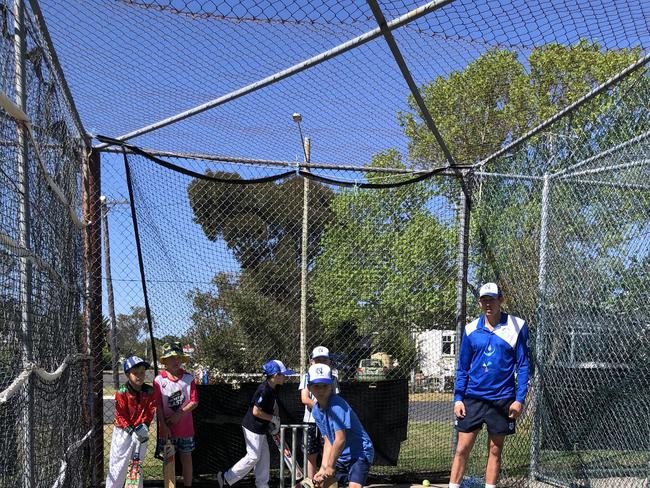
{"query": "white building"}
{"type": "Point", "coordinates": [436, 350]}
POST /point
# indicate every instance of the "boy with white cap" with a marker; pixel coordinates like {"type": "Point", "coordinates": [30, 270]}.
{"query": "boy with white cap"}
{"type": "Point", "coordinates": [348, 452]}
{"type": "Point", "coordinates": [261, 413]}
{"type": "Point", "coordinates": [494, 347]}
{"type": "Point", "coordinates": [320, 355]}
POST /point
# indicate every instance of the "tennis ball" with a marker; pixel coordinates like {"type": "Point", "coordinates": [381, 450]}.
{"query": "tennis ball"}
{"type": "Point", "coordinates": [426, 483]}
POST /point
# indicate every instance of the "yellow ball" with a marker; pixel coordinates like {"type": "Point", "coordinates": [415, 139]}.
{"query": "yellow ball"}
{"type": "Point", "coordinates": [426, 483]}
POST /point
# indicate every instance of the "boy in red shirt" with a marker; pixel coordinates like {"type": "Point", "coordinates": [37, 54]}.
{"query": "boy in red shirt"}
{"type": "Point", "coordinates": [135, 406]}
{"type": "Point", "coordinates": [177, 399]}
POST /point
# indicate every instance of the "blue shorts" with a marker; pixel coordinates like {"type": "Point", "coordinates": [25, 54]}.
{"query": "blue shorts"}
{"type": "Point", "coordinates": [182, 444]}
{"type": "Point", "coordinates": [353, 471]}
{"type": "Point", "coordinates": [314, 440]}
{"type": "Point", "coordinates": [493, 413]}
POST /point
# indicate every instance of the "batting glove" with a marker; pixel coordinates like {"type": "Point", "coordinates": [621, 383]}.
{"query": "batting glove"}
{"type": "Point", "coordinates": [141, 433]}
{"type": "Point", "coordinates": [274, 426]}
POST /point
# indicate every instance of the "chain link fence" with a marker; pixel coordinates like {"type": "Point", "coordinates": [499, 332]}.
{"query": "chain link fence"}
{"type": "Point", "coordinates": [340, 250]}
{"type": "Point", "coordinates": [44, 363]}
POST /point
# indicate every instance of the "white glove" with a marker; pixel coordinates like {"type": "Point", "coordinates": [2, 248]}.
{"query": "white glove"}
{"type": "Point", "coordinates": [274, 425]}
{"type": "Point", "coordinates": [141, 433]}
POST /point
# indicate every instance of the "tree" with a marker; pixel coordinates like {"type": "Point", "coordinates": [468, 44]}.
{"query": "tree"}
{"type": "Point", "coordinates": [133, 333]}
{"type": "Point", "coordinates": [386, 266]}
{"type": "Point", "coordinates": [256, 314]}
{"type": "Point", "coordinates": [495, 100]}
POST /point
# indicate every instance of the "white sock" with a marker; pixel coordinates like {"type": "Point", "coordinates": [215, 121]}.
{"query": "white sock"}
{"type": "Point", "coordinates": [490, 486]}
{"type": "Point", "coordinates": [454, 485]}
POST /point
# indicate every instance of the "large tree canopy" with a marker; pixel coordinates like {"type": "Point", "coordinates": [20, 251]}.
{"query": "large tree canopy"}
{"type": "Point", "coordinates": [255, 314]}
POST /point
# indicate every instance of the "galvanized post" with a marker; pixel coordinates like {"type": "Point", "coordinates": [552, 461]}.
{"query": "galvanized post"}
{"type": "Point", "coordinates": [464, 217]}
{"type": "Point", "coordinates": [305, 262]}
{"type": "Point", "coordinates": [535, 440]}
{"type": "Point", "coordinates": [24, 238]}
{"type": "Point", "coordinates": [282, 440]}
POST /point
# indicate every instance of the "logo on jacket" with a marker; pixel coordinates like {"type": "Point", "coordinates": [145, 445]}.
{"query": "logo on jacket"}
{"type": "Point", "coordinates": [486, 366]}
{"type": "Point", "coordinates": [490, 350]}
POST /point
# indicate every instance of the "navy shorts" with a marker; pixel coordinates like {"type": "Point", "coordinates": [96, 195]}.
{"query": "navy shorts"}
{"type": "Point", "coordinates": [314, 440]}
{"type": "Point", "coordinates": [352, 471]}
{"type": "Point", "coordinates": [493, 413]}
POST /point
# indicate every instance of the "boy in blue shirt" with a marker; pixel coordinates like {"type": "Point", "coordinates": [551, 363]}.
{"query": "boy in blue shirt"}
{"type": "Point", "coordinates": [347, 452]}
{"type": "Point", "coordinates": [493, 348]}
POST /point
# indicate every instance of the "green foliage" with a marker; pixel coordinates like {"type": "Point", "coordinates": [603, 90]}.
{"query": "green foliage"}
{"type": "Point", "coordinates": [495, 100]}
{"type": "Point", "coordinates": [386, 265]}
{"type": "Point", "coordinates": [251, 317]}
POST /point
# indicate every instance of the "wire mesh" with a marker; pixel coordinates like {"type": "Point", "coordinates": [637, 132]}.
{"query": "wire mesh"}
{"type": "Point", "coordinates": [43, 371]}
{"type": "Point", "coordinates": [559, 221]}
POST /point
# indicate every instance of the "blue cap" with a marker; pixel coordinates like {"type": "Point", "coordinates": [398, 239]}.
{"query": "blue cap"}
{"type": "Point", "coordinates": [134, 361]}
{"type": "Point", "coordinates": [274, 366]}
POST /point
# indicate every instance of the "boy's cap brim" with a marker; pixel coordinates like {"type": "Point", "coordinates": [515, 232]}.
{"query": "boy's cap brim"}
{"type": "Point", "coordinates": [287, 372]}
{"type": "Point", "coordinates": [327, 381]}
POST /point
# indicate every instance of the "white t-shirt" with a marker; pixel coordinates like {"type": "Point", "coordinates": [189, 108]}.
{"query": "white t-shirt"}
{"type": "Point", "coordinates": [308, 418]}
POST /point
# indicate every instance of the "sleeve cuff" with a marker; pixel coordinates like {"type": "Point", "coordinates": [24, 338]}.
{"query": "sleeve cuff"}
{"type": "Point", "coordinates": [458, 398]}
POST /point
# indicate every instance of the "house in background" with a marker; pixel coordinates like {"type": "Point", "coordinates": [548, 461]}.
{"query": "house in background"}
{"type": "Point", "coordinates": [436, 353]}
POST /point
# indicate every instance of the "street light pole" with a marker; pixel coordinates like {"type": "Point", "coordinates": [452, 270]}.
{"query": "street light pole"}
{"type": "Point", "coordinates": [306, 149]}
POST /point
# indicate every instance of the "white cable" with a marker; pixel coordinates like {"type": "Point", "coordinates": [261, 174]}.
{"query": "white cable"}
{"type": "Point", "coordinates": [8, 393]}
{"type": "Point", "coordinates": [64, 463]}
{"type": "Point", "coordinates": [21, 117]}
{"type": "Point", "coordinates": [22, 252]}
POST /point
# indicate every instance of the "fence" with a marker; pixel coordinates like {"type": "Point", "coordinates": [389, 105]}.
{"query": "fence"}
{"type": "Point", "coordinates": [44, 361]}
{"type": "Point", "coordinates": [544, 106]}
{"type": "Point", "coordinates": [562, 218]}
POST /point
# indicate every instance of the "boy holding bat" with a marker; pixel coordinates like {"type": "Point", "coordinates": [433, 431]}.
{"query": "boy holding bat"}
{"type": "Point", "coordinates": [135, 406]}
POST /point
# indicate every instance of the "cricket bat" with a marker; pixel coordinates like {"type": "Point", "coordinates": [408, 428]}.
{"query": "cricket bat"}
{"type": "Point", "coordinates": [134, 473]}
{"type": "Point", "coordinates": [169, 465]}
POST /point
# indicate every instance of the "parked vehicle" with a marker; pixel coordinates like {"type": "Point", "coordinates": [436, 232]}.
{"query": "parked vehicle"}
{"type": "Point", "coordinates": [372, 370]}
{"type": "Point", "coordinates": [345, 365]}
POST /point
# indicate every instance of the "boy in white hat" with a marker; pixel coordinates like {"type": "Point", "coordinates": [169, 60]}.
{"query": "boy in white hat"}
{"type": "Point", "coordinates": [493, 348]}
{"type": "Point", "coordinates": [320, 355]}
{"type": "Point", "coordinates": [348, 452]}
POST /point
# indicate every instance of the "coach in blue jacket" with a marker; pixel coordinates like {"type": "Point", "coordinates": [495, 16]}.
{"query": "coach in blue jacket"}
{"type": "Point", "coordinates": [491, 383]}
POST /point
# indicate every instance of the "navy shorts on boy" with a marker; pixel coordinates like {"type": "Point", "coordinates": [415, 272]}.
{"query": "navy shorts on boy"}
{"type": "Point", "coordinates": [493, 413]}
{"type": "Point", "coordinates": [358, 453]}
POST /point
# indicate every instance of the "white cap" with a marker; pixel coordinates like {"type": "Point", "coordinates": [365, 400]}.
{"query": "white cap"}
{"type": "Point", "coordinates": [319, 373]}
{"type": "Point", "coordinates": [489, 290]}
{"type": "Point", "coordinates": [320, 352]}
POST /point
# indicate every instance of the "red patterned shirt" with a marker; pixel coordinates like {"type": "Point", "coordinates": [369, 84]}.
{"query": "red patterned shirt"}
{"type": "Point", "coordinates": [133, 408]}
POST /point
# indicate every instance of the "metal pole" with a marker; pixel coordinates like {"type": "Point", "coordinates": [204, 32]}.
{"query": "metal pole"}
{"type": "Point", "coordinates": [298, 68]}
{"type": "Point", "coordinates": [294, 442]}
{"type": "Point", "coordinates": [109, 296]}
{"type": "Point", "coordinates": [539, 341]}
{"type": "Point", "coordinates": [305, 262]}
{"type": "Point", "coordinates": [461, 273]}
{"type": "Point", "coordinates": [24, 239]}
{"type": "Point", "coordinates": [138, 247]}
{"type": "Point", "coordinates": [282, 456]}
{"type": "Point", "coordinates": [406, 74]}
{"type": "Point", "coordinates": [569, 108]}
{"type": "Point", "coordinates": [93, 305]}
